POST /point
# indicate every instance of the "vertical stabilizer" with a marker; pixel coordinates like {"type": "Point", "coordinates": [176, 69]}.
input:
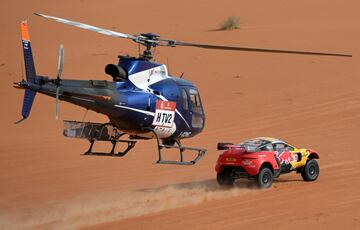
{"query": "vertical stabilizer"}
{"type": "Point", "coordinates": [29, 95]}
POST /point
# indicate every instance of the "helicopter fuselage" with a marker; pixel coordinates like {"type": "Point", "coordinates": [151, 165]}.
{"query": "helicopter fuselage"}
{"type": "Point", "coordinates": [133, 103]}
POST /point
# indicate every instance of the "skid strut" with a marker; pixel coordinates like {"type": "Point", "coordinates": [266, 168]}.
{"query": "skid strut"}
{"type": "Point", "coordinates": [181, 148]}
{"type": "Point", "coordinates": [98, 132]}
{"type": "Point", "coordinates": [131, 144]}
{"type": "Point", "coordinates": [97, 135]}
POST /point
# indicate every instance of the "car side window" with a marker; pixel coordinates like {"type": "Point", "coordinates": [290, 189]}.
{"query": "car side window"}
{"type": "Point", "coordinates": [289, 148]}
{"type": "Point", "coordinates": [267, 147]}
{"type": "Point", "coordinates": [279, 147]}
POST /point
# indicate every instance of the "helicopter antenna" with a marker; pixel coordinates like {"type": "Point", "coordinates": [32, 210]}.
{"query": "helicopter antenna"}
{"type": "Point", "coordinates": [86, 111]}
{"type": "Point", "coordinates": [182, 74]}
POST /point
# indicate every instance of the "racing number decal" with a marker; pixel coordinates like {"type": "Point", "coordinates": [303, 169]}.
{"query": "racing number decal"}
{"type": "Point", "coordinates": [165, 113]}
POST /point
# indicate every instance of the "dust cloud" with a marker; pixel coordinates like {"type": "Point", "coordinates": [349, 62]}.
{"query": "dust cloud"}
{"type": "Point", "coordinates": [100, 208]}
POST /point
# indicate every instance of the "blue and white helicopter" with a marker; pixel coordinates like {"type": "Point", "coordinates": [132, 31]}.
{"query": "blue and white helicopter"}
{"type": "Point", "coordinates": [142, 101]}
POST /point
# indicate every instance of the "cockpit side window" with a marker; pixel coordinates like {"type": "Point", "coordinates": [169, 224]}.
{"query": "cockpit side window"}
{"type": "Point", "coordinates": [184, 99]}
{"type": "Point", "coordinates": [195, 102]}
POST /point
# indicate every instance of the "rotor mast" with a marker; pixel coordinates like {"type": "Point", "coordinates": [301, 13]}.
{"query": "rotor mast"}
{"type": "Point", "coordinates": [149, 40]}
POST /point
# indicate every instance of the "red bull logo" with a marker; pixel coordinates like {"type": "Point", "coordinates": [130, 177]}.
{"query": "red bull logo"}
{"type": "Point", "coordinates": [286, 157]}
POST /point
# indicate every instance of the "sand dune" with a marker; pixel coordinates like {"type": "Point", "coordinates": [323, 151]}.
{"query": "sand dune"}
{"type": "Point", "coordinates": [46, 183]}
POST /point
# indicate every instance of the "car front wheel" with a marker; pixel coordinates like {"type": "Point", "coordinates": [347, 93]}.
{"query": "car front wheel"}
{"type": "Point", "coordinates": [265, 178]}
{"type": "Point", "coordinates": [311, 171]}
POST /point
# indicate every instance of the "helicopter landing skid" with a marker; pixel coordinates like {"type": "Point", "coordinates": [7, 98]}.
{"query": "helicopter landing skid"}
{"type": "Point", "coordinates": [201, 153]}
{"type": "Point", "coordinates": [98, 132]}
{"type": "Point", "coordinates": [112, 153]}
{"type": "Point", "coordinates": [181, 148]}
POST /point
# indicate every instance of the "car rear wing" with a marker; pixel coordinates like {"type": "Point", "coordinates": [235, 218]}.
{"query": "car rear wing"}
{"type": "Point", "coordinates": [228, 145]}
{"type": "Point", "coordinates": [223, 145]}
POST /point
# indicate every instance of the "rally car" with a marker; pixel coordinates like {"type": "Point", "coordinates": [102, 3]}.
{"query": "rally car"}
{"type": "Point", "coordinates": [264, 159]}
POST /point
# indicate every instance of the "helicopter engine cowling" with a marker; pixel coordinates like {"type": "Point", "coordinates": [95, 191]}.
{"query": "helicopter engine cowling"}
{"type": "Point", "coordinates": [116, 72]}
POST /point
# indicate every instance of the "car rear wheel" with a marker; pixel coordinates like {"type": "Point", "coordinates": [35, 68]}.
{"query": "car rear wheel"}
{"type": "Point", "coordinates": [225, 178]}
{"type": "Point", "coordinates": [311, 171]}
{"type": "Point", "coordinates": [265, 178]}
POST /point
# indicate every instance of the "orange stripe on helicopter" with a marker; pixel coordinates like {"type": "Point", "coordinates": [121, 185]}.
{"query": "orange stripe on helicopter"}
{"type": "Point", "coordinates": [24, 31]}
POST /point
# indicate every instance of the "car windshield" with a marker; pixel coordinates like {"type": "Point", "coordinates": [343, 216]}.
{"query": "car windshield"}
{"type": "Point", "coordinates": [254, 145]}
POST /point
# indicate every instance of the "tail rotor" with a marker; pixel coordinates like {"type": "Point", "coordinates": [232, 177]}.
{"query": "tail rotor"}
{"type": "Point", "coordinates": [58, 79]}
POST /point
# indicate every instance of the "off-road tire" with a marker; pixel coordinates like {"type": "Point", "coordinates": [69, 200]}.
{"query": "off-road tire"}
{"type": "Point", "coordinates": [311, 170]}
{"type": "Point", "coordinates": [265, 178]}
{"type": "Point", "coordinates": [225, 178]}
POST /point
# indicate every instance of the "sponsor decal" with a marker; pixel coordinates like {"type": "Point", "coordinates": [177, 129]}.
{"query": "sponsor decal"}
{"type": "Point", "coordinates": [231, 159]}
{"type": "Point", "coordinates": [286, 157]}
{"type": "Point", "coordinates": [164, 114]}
{"type": "Point", "coordinates": [247, 162]}
{"type": "Point", "coordinates": [158, 71]}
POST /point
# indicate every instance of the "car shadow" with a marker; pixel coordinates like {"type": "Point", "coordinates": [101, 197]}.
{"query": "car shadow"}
{"type": "Point", "coordinates": [277, 181]}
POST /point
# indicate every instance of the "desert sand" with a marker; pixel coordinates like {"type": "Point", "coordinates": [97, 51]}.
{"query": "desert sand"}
{"type": "Point", "coordinates": [310, 101]}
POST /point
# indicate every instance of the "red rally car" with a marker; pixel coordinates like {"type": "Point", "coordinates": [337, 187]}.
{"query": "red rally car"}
{"type": "Point", "coordinates": [262, 159]}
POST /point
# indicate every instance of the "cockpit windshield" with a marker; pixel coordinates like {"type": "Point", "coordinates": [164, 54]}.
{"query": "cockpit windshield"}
{"type": "Point", "coordinates": [192, 104]}
{"type": "Point", "coordinates": [195, 103]}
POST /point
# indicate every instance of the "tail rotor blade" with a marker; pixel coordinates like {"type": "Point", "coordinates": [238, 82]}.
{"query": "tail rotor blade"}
{"type": "Point", "coordinates": [57, 103]}
{"type": "Point", "coordinates": [58, 79]}
{"type": "Point", "coordinates": [60, 61]}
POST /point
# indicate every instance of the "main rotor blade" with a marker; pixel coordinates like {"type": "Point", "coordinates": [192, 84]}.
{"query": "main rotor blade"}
{"type": "Point", "coordinates": [249, 49]}
{"type": "Point", "coordinates": [60, 61]}
{"type": "Point", "coordinates": [89, 27]}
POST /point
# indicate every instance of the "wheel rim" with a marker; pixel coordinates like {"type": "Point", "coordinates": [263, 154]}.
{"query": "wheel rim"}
{"type": "Point", "coordinates": [266, 178]}
{"type": "Point", "coordinates": [312, 170]}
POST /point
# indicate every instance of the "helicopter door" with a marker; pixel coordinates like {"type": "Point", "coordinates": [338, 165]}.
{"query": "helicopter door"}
{"type": "Point", "coordinates": [192, 105]}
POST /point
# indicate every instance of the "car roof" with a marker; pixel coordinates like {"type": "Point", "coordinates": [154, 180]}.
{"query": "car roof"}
{"type": "Point", "coordinates": [270, 139]}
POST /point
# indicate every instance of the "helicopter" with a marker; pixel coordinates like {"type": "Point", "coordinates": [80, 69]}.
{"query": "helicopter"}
{"type": "Point", "coordinates": [142, 101]}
